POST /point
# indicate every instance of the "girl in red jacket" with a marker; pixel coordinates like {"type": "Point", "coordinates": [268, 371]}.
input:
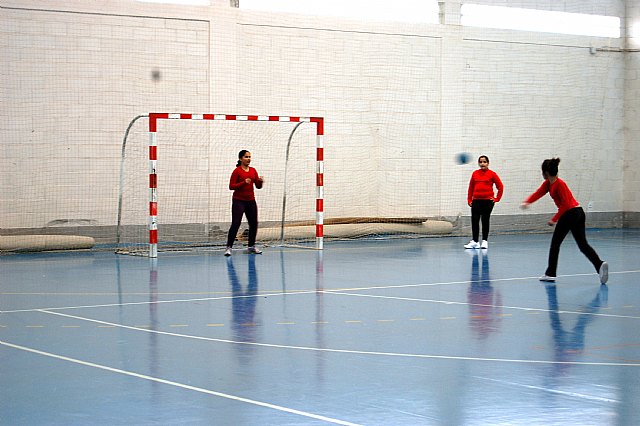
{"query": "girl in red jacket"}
{"type": "Point", "coordinates": [481, 199]}
{"type": "Point", "coordinates": [570, 217]}
{"type": "Point", "coordinates": [241, 183]}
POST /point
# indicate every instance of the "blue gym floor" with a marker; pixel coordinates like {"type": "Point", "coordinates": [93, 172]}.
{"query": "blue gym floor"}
{"type": "Point", "coordinates": [369, 332]}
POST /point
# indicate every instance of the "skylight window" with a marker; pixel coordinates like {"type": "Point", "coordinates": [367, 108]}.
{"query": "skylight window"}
{"type": "Point", "coordinates": [412, 11]}
{"type": "Point", "coordinates": [187, 2]}
{"type": "Point", "coordinates": [512, 18]}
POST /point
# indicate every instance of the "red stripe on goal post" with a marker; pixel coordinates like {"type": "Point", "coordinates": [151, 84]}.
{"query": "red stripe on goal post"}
{"type": "Point", "coordinates": [153, 236]}
{"type": "Point", "coordinates": [320, 124]}
{"type": "Point", "coordinates": [153, 119]}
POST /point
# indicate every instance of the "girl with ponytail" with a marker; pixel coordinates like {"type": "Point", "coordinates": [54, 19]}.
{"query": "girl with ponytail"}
{"type": "Point", "coordinates": [570, 217]}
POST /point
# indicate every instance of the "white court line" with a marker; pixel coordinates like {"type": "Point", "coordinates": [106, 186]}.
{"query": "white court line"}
{"type": "Point", "coordinates": [295, 292]}
{"type": "Point", "coordinates": [156, 302]}
{"type": "Point", "coordinates": [571, 394]}
{"type": "Point", "coordinates": [470, 281]}
{"type": "Point", "coordinates": [445, 302]}
{"type": "Point", "coordinates": [343, 351]}
{"type": "Point", "coordinates": [181, 385]}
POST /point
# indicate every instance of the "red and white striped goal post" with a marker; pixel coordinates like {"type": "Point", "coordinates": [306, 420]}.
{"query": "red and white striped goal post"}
{"type": "Point", "coordinates": [153, 158]}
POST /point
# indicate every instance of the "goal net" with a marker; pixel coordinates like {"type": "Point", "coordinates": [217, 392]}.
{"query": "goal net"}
{"type": "Point", "coordinates": [174, 183]}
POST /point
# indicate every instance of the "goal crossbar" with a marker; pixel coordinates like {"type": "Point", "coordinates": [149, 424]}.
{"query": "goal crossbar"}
{"type": "Point", "coordinates": [153, 160]}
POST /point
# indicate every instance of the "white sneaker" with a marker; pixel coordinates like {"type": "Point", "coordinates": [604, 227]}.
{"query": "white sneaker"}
{"type": "Point", "coordinates": [485, 244]}
{"type": "Point", "coordinates": [254, 250]}
{"type": "Point", "coordinates": [548, 278]}
{"type": "Point", "coordinates": [227, 252]}
{"type": "Point", "coordinates": [472, 245]}
{"type": "Point", "coordinates": [603, 272]}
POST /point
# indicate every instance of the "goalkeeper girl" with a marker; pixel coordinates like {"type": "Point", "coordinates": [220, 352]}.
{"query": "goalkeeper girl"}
{"type": "Point", "coordinates": [241, 183]}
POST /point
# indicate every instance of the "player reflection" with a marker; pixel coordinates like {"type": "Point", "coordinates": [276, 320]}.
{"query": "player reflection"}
{"type": "Point", "coordinates": [485, 303]}
{"type": "Point", "coordinates": [570, 343]}
{"type": "Point", "coordinates": [243, 301]}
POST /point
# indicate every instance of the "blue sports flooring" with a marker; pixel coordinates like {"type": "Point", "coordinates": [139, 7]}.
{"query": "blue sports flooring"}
{"type": "Point", "coordinates": [369, 332]}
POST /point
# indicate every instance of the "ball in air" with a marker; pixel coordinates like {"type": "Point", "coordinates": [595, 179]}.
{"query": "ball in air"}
{"type": "Point", "coordinates": [463, 158]}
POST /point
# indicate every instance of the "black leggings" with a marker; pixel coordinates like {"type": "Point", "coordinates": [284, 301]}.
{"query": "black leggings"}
{"type": "Point", "coordinates": [572, 220]}
{"type": "Point", "coordinates": [249, 209]}
{"type": "Point", "coordinates": [481, 209]}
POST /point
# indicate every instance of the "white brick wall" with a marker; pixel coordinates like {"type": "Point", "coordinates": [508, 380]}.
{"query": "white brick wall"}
{"type": "Point", "coordinates": [631, 195]}
{"type": "Point", "coordinates": [399, 102]}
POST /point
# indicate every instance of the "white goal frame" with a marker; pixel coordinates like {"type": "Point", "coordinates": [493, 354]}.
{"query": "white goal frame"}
{"type": "Point", "coordinates": [153, 159]}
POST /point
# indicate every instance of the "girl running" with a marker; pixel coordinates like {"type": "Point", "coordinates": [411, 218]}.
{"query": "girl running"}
{"type": "Point", "coordinates": [570, 217]}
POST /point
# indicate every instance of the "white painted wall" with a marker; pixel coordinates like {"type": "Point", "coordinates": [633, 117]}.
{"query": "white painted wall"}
{"type": "Point", "coordinates": [399, 102]}
{"type": "Point", "coordinates": [631, 172]}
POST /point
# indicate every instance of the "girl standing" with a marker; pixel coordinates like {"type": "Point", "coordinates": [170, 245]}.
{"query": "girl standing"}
{"type": "Point", "coordinates": [481, 199]}
{"type": "Point", "coordinates": [241, 183]}
{"type": "Point", "coordinates": [570, 217]}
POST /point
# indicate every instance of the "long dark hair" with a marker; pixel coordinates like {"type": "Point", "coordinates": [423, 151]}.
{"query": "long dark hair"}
{"type": "Point", "coordinates": [550, 166]}
{"type": "Point", "coordinates": [240, 155]}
